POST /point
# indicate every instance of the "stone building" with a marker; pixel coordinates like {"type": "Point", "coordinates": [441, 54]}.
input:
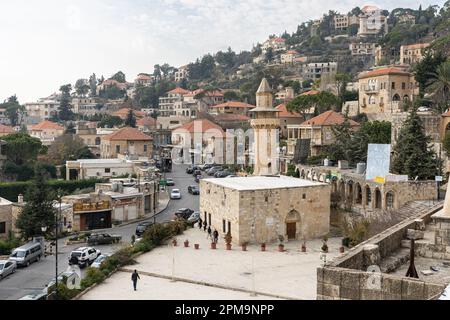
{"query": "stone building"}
{"type": "Point", "coordinates": [260, 209]}
{"type": "Point", "coordinates": [231, 107]}
{"type": "Point", "coordinates": [386, 89]}
{"type": "Point", "coordinates": [372, 21]}
{"type": "Point", "coordinates": [46, 131]}
{"type": "Point", "coordinates": [126, 141]}
{"type": "Point", "coordinates": [413, 53]}
{"type": "Point", "coordinates": [6, 219]}
{"type": "Point", "coordinates": [360, 48]}
{"type": "Point", "coordinates": [287, 118]}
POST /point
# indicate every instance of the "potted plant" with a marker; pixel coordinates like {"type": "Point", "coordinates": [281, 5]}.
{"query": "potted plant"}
{"type": "Point", "coordinates": [280, 243]}
{"type": "Point", "coordinates": [304, 246]}
{"type": "Point", "coordinates": [341, 249]}
{"type": "Point", "coordinates": [325, 245]}
{"type": "Point", "coordinates": [213, 245]}
{"type": "Point", "coordinates": [228, 239]}
{"type": "Point", "coordinates": [174, 242]}
{"type": "Point", "coordinates": [244, 246]}
{"type": "Point", "coordinates": [186, 243]}
{"type": "Point", "coordinates": [196, 246]}
{"type": "Point", "coordinates": [263, 246]}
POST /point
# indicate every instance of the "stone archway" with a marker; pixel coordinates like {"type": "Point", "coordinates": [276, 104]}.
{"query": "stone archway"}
{"type": "Point", "coordinates": [341, 190]}
{"type": "Point", "coordinates": [293, 225]}
{"type": "Point", "coordinates": [368, 196]}
{"type": "Point", "coordinates": [390, 200]}
{"type": "Point", "coordinates": [302, 174]}
{"type": "Point", "coordinates": [377, 199]}
{"type": "Point", "coordinates": [350, 191]}
{"type": "Point", "coordinates": [358, 194]}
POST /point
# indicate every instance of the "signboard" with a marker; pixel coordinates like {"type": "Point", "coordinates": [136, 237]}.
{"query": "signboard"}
{"type": "Point", "coordinates": [269, 221]}
{"type": "Point", "coordinates": [378, 160]}
{"type": "Point", "coordinates": [162, 182]}
{"type": "Point", "coordinates": [380, 180]}
{"type": "Point", "coordinates": [438, 178]}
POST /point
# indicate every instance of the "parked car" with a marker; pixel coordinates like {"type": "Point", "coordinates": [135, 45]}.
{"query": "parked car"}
{"type": "Point", "coordinates": [206, 166]}
{"type": "Point", "coordinates": [198, 178]}
{"type": "Point", "coordinates": [194, 217]}
{"type": "Point", "coordinates": [231, 176]}
{"type": "Point", "coordinates": [184, 213]}
{"type": "Point", "coordinates": [36, 295]}
{"type": "Point", "coordinates": [103, 238]}
{"type": "Point", "coordinates": [189, 170]}
{"type": "Point", "coordinates": [213, 170]}
{"type": "Point", "coordinates": [175, 194]}
{"type": "Point", "coordinates": [7, 267]}
{"type": "Point", "coordinates": [197, 173]}
{"type": "Point", "coordinates": [194, 190]}
{"type": "Point", "coordinates": [27, 254]}
{"type": "Point", "coordinates": [222, 174]}
{"type": "Point", "coordinates": [100, 259]}
{"type": "Point", "coordinates": [170, 182]}
{"type": "Point", "coordinates": [142, 227]}
{"type": "Point", "coordinates": [83, 256]}
{"type": "Point", "coordinates": [423, 109]}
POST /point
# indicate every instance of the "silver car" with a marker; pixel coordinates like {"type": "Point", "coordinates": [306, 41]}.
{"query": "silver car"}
{"type": "Point", "coordinates": [7, 267]}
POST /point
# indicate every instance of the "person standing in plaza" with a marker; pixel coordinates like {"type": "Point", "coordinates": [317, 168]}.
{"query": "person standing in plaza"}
{"type": "Point", "coordinates": [215, 236]}
{"type": "Point", "coordinates": [134, 278]}
{"type": "Point", "coordinates": [200, 221]}
{"type": "Point", "coordinates": [209, 233]}
{"type": "Point", "coordinates": [204, 225]}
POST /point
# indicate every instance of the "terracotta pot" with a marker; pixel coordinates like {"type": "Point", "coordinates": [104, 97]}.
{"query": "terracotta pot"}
{"type": "Point", "coordinates": [186, 244]}
{"type": "Point", "coordinates": [228, 246]}
{"type": "Point", "coordinates": [341, 249]}
{"type": "Point", "coordinates": [196, 246]}
{"type": "Point", "coordinates": [281, 248]}
{"type": "Point", "coordinates": [213, 245]}
{"type": "Point", "coordinates": [244, 247]}
{"type": "Point", "coordinates": [303, 248]}
{"type": "Point", "coordinates": [263, 247]}
{"type": "Point", "coordinates": [174, 242]}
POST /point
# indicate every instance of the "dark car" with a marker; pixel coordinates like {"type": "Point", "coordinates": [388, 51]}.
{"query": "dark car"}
{"type": "Point", "coordinates": [194, 190]}
{"type": "Point", "coordinates": [197, 178]}
{"type": "Point", "coordinates": [223, 174]}
{"type": "Point", "coordinates": [197, 173]}
{"type": "Point", "coordinates": [189, 170]}
{"type": "Point", "coordinates": [206, 166]}
{"type": "Point", "coordinates": [184, 213]}
{"type": "Point", "coordinates": [170, 182]}
{"type": "Point", "coordinates": [213, 170]}
{"type": "Point", "coordinates": [142, 227]}
{"type": "Point", "coordinates": [103, 238]}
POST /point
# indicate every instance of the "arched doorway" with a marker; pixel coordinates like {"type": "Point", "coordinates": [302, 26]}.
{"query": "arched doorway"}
{"type": "Point", "coordinates": [377, 198]}
{"type": "Point", "coordinates": [390, 198]}
{"type": "Point", "coordinates": [358, 195]}
{"type": "Point", "coordinates": [368, 196]}
{"type": "Point", "coordinates": [341, 189]}
{"type": "Point", "coordinates": [292, 224]}
{"type": "Point", "coordinates": [350, 192]}
{"type": "Point", "coordinates": [396, 97]}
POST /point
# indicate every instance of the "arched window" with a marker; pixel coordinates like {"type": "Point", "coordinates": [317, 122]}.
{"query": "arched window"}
{"type": "Point", "coordinates": [396, 97]}
{"type": "Point", "coordinates": [390, 200]}
{"type": "Point", "coordinates": [371, 99]}
{"type": "Point", "coordinates": [97, 141]}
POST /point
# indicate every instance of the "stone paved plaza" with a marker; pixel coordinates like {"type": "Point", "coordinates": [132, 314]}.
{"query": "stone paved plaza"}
{"type": "Point", "coordinates": [216, 274]}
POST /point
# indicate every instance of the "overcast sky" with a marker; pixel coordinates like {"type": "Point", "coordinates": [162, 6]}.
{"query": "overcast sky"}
{"type": "Point", "coordinates": [47, 43]}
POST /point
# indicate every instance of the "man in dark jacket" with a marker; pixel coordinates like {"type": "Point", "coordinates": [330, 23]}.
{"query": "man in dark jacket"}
{"type": "Point", "coordinates": [200, 222]}
{"type": "Point", "coordinates": [215, 236]}
{"type": "Point", "coordinates": [134, 278]}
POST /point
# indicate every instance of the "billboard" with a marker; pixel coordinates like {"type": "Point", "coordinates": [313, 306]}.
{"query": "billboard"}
{"type": "Point", "coordinates": [378, 160]}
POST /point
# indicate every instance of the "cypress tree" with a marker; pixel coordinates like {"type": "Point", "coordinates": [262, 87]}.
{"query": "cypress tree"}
{"type": "Point", "coordinates": [413, 155]}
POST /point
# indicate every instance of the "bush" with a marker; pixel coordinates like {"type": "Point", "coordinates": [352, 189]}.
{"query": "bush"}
{"type": "Point", "coordinates": [356, 232]}
{"type": "Point", "coordinates": [315, 160]}
{"type": "Point", "coordinates": [156, 234]}
{"type": "Point", "coordinates": [93, 275]}
{"type": "Point", "coordinates": [6, 246]}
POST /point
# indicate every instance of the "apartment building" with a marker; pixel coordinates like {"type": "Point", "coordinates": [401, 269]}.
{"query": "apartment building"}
{"type": "Point", "coordinates": [372, 21]}
{"type": "Point", "coordinates": [43, 109]}
{"type": "Point", "coordinates": [181, 73]}
{"type": "Point", "coordinates": [361, 48]}
{"type": "Point", "coordinates": [413, 53]}
{"type": "Point", "coordinates": [127, 141]}
{"type": "Point", "coordinates": [314, 71]}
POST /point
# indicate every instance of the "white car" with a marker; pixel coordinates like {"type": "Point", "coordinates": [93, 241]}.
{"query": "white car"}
{"type": "Point", "coordinates": [83, 256]}
{"type": "Point", "coordinates": [175, 194]}
{"type": "Point", "coordinates": [100, 259]}
{"type": "Point", "coordinates": [7, 267]}
{"type": "Point", "coordinates": [423, 109]}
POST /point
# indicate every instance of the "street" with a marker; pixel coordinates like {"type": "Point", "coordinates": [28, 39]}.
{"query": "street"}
{"type": "Point", "coordinates": [36, 276]}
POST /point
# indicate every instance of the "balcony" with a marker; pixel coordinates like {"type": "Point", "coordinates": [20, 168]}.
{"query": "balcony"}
{"type": "Point", "coordinates": [91, 206]}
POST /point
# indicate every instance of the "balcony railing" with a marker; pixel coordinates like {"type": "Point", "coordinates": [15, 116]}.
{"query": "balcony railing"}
{"type": "Point", "coordinates": [91, 206]}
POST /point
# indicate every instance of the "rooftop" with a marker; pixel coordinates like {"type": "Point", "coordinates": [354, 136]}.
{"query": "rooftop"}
{"type": "Point", "coordinates": [284, 113]}
{"type": "Point", "coordinates": [382, 72]}
{"type": "Point", "coordinates": [262, 182]}
{"type": "Point", "coordinates": [128, 133]}
{"type": "Point", "coordinates": [6, 129]}
{"type": "Point", "coordinates": [199, 125]}
{"type": "Point", "coordinates": [234, 104]}
{"type": "Point", "coordinates": [45, 125]}
{"type": "Point", "coordinates": [328, 118]}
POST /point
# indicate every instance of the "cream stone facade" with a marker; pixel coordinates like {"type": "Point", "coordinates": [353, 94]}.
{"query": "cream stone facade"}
{"type": "Point", "coordinates": [413, 53]}
{"type": "Point", "coordinates": [385, 90]}
{"type": "Point", "coordinates": [6, 218]}
{"type": "Point", "coordinates": [260, 209]}
{"type": "Point", "coordinates": [126, 141]}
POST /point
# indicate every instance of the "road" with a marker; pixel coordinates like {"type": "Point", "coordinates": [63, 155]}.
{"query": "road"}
{"type": "Point", "coordinates": [36, 276]}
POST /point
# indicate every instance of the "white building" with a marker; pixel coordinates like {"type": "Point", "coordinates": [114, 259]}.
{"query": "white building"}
{"type": "Point", "coordinates": [276, 44]}
{"type": "Point", "coordinates": [362, 48]}
{"type": "Point", "coordinates": [41, 110]}
{"type": "Point", "coordinates": [98, 168]}
{"type": "Point", "coordinates": [315, 71]}
{"type": "Point", "coordinates": [372, 21]}
{"type": "Point", "coordinates": [181, 73]}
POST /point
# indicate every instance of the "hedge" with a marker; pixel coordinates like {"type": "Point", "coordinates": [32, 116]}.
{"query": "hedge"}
{"type": "Point", "coordinates": [10, 190]}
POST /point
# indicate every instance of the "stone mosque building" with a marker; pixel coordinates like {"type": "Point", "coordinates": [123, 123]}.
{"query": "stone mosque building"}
{"type": "Point", "coordinates": [265, 206]}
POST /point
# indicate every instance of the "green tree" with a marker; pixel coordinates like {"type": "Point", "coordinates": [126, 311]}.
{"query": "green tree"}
{"type": "Point", "coordinates": [70, 129]}
{"type": "Point", "coordinates": [130, 121]}
{"type": "Point", "coordinates": [119, 77]}
{"type": "Point", "coordinates": [93, 85]}
{"type": "Point", "coordinates": [67, 147]}
{"type": "Point", "coordinates": [38, 210]}
{"type": "Point", "coordinates": [412, 154]}
{"type": "Point", "coordinates": [109, 121]}
{"type": "Point", "coordinates": [13, 110]}
{"type": "Point", "coordinates": [64, 111]}
{"type": "Point", "coordinates": [231, 96]}
{"type": "Point", "coordinates": [269, 54]}
{"type": "Point", "coordinates": [439, 87]}
{"type": "Point", "coordinates": [21, 148]}
{"type": "Point", "coordinates": [425, 70]}
{"type": "Point", "coordinates": [82, 87]}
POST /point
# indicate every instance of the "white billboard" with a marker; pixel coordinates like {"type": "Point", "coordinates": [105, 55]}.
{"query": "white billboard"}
{"type": "Point", "coordinates": [378, 160]}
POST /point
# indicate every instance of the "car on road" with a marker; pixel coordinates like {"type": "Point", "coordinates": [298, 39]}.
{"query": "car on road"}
{"type": "Point", "coordinates": [197, 173]}
{"type": "Point", "coordinates": [206, 166]}
{"type": "Point", "coordinates": [194, 190]}
{"type": "Point", "coordinates": [184, 213]}
{"type": "Point", "coordinates": [170, 182]}
{"type": "Point", "coordinates": [142, 227]}
{"type": "Point", "coordinates": [7, 267]}
{"type": "Point", "coordinates": [27, 254]}
{"type": "Point", "coordinates": [175, 194]}
{"type": "Point", "coordinates": [103, 238]}
{"type": "Point", "coordinates": [36, 295]}
{"type": "Point", "coordinates": [198, 178]}
{"type": "Point", "coordinates": [213, 170]}
{"type": "Point", "coordinates": [222, 174]}
{"type": "Point", "coordinates": [98, 262]}
{"type": "Point", "coordinates": [83, 256]}
{"type": "Point", "coordinates": [194, 217]}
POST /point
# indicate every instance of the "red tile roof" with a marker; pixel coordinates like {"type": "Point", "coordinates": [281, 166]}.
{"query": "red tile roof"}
{"type": "Point", "coordinates": [416, 46]}
{"type": "Point", "coordinates": [129, 134]}
{"type": "Point", "coordinates": [279, 40]}
{"type": "Point", "coordinates": [234, 104]}
{"type": "Point", "coordinates": [179, 91]}
{"type": "Point", "coordinates": [143, 77]}
{"type": "Point", "coordinates": [6, 129]}
{"type": "Point", "coordinates": [446, 114]}
{"type": "Point", "coordinates": [46, 125]}
{"type": "Point", "coordinates": [328, 118]}
{"type": "Point", "coordinates": [382, 72]}
{"type": "Point", "coordinates": [199, 126]}
{"type": "Point", "coordinates": [148, 121]}
{"type": "Point", "coordinates": [124, 112]}
{"type": "Point", "coordinates": [215, 93]}
{"type": "Point", "coordinates": [284, 113]}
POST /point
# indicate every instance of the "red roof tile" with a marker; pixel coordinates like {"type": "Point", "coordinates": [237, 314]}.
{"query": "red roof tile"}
{"type": "Point", "coordinates": [46, 125]}
{"type": "Point", "coordinates": [310, 92]}
{"type": "Point", "coordinates": [383, 71]}
{"type": "Point", "coordinates": [124, 112]}
{"type": "Point", "coordinates": [6, 129]}
{"type": "Point", "coordinates": [328, 118]}
{"type": "Point", "coordinates": [148, 121]}
{"type": "Point", "coordinates": [179, 91]}
{"type": "Point", "coordinates": [128, 133]}
{"type": "Point", "coordinates": [284, 113]}
{"type": "Point", "coordinates": [234, 104]}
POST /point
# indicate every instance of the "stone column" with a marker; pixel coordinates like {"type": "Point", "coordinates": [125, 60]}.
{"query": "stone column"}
{"type": "Point", "coordinates": [442, 220]}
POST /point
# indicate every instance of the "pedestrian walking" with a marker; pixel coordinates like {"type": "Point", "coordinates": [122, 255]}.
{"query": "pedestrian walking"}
{"type": "Point", "coordinates": [200, 221]}
{"type": "Point", "coordinates": [134, 278]}
{"type": "Point", "coordinates": [215, 235]}
{"type": "Point", "coordinates": [204, 225]}
{"type": "Point", "coordinates": [209, 233]}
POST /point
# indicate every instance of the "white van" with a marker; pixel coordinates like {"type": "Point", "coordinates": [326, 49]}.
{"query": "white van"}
{"type": "Point", "coordinates": [27, 254]}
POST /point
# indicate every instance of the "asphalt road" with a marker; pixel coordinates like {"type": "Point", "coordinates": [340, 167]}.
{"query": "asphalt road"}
{"type": "Point", "coordinates": [36, 276]}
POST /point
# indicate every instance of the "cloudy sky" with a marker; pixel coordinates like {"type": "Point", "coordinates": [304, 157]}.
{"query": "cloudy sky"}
{"type": "Point", "coordinates": [47, 43]}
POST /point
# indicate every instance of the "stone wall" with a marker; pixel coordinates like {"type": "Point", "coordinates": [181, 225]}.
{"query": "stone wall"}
{"type": "Point", "coordinates": [6, 217]}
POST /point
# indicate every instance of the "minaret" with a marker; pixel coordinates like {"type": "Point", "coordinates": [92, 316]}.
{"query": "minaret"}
{"type": "Point", "coordinates": [265, 129]}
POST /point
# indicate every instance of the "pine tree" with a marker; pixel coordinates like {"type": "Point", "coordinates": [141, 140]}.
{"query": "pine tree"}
{"type": "Point", "coordinates": [130, 121]}
{"type": "Point", "coordinates": [413, 155]}
{"type": "Point", "coordinates": [38, 210]}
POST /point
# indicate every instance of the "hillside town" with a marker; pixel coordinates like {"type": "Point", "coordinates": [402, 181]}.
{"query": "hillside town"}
{"type": "Point", "coordinates": [313, 166]}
